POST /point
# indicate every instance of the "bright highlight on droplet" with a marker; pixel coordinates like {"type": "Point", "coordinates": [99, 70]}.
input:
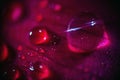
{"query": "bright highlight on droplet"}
{"type": "Point", "coordinates": [88, 24]}
{"type": "Point", "coordinates": [31, 68]}
{"type": "Point", "coordinates": [92, 23]}
{"type": "Point", "coordinates": [104, 42]}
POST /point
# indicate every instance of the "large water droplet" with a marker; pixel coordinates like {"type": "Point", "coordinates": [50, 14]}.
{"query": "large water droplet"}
{"type": "Point", "coordinates": [84, 32]}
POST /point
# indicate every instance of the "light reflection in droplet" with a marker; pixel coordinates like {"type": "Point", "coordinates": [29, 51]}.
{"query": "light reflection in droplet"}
{"type": "Point", "coordinates": [84, 32]}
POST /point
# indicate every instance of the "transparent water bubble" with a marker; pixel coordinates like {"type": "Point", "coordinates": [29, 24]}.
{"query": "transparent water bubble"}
{"type": "Point", "coordinates": [84, 32]}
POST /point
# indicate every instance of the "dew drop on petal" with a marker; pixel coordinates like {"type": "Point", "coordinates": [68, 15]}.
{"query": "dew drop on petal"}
{"type": "Point", "coordinates": [19, 48]}
{"type": "Point", "coordinates": [3, 52]}
{"type": "Point", "coordinates": [40, 71]}
{"type": "Point", "coordinates": [57, 7]}
{"type": "Point", "coordinates": [38, 36]}
{"type": "Point", "coordinates": [22, 57]}
{"type": "Point", "coordinates": [84, 32]}
{"type": "Point", "coordinates": [15, 12]}
{"type": "Point", "coordinates": [39, 18]}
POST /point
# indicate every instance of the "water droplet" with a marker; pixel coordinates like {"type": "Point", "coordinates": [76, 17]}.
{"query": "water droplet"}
{"type": "Point", "coordinates": [19, 48]}
{"type": "Point", "coordinates": [13, 70]}
{"type": "Point", "coordinates": [40, 71]}
{"type": "Point", "coordinates": [22, 57]}
{"type": "Point", "coordinates": [3, 52]}
{"type": "Point", "coordinates": [40, 50]}
{"type": "Point", "coordinates": [31, 54]}
{"type": "Point", "coordinates": [57, 7]}
{"type": "Point", "coordinates": [14, 12]}
{"type": "Point", "coordinates": [84, 32]}
{"type": "Point", "coordinates": [39, 18]}
{"type": "Point", "coordinates": [38, 36]}
{"type": "Point", "coordinates": [17, 74]}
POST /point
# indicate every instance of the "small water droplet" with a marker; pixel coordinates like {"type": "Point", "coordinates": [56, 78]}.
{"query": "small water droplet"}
{"type": "Point", "coordinates": [22, 57]}
{"type": "Point", "coordinates": [19, 48]}
{"type": "Point", "coordinates": [40, 71]}
{"type": "Point", "coordinates": [13, 70]}
{"type": "Point", "coordinates": [57, 7]}
{"type": "Point", "coordinates": [38, 36]}
{"type": "Point", "coordinates": [41, 66]}
{"type": "Point", "coordinates": [40, 50]}
{"type": "Point", "coordinates": [39, 18]}
{"type": "Point", "coordinates": [31, 54]}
